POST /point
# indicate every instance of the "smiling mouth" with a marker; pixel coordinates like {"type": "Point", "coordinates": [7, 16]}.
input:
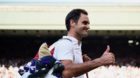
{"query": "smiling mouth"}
{"type": "Point", "coordinates": [85, 29]}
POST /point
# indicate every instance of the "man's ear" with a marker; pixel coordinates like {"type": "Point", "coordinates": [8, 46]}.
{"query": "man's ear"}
{"type": "Point", "coordinates": [72, 23]}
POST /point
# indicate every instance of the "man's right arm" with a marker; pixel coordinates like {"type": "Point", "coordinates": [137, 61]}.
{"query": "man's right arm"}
{"type": "Point", "coordinates": [73, 70]}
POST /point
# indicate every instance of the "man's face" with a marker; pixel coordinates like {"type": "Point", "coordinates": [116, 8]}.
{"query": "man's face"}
{"type": "Point", "coordinates": [82, 26]}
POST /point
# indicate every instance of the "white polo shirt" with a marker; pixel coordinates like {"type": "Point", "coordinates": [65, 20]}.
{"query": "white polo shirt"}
{"type": "Point", "coordinates": [68, 48]}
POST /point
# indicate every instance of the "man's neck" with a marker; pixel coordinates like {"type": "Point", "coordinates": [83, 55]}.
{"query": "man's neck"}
{"type": "Point", "coordinates": [78, 38]}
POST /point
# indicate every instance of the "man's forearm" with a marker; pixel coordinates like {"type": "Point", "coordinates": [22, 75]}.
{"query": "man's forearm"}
{"type": "Point", "coordinates": [74, 70]}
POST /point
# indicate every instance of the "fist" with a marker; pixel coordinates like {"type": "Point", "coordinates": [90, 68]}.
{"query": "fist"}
{"type": "Point", "coordinates": [107, 57]}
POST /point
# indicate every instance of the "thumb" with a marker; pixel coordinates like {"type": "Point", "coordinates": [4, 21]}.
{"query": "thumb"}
{"type": "Point", "coordinates": [107, 49]}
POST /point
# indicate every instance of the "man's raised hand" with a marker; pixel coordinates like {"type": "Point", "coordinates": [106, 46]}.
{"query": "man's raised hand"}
{"type": "Point", "coordinates": [108, 57]}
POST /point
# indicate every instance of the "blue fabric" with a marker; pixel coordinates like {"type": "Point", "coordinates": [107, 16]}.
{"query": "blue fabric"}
{"type": "Point", "coordinates": [39, 68]}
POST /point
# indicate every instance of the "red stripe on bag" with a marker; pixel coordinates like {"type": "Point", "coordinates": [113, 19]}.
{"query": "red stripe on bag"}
{"type": "Point", "coordinates": [52, 51]}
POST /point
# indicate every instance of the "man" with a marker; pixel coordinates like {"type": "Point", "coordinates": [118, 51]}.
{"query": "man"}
{"type": "Point", "coordinates": [68, 49]}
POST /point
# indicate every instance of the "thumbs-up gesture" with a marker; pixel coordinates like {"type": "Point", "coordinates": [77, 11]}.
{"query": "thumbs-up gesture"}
{"type": "Point", "coordinates": [108, 57]}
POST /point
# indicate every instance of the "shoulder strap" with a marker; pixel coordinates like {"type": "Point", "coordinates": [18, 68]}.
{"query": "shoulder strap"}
{"type": "Point", "coordinates": [66, 39]}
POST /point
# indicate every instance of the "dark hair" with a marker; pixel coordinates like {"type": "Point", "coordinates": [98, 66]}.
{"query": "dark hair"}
{"type": "Point", "coordinates": [74, 15]}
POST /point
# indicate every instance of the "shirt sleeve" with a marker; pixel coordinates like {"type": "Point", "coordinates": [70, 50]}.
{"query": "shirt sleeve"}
{"type": "Point", "coordinates": [64, 50]}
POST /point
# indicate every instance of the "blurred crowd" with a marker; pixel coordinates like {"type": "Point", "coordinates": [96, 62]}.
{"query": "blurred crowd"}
{"type": "Point", "coordinates": [21, 61]}
{"type": "Point", "coordinates": [100, 72]}
{"type": "Point", "coordinates": [115, 72]}
{"type": "Point", "coordinates": [124, 68]}
{"type": "Point", "coordinates": [13, 62]}
{"type": "Point", "coordinates": [10, 72]}
{"type": "Point", "coordinates": [128, 61]}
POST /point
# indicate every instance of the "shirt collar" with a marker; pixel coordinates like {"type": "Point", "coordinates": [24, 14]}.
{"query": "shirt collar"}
{"type": "Point", "coordinates": [72, 38]}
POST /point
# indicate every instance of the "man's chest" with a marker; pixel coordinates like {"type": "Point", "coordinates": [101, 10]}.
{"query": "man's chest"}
{"type": "Point", "coordinates": [77, 54]}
